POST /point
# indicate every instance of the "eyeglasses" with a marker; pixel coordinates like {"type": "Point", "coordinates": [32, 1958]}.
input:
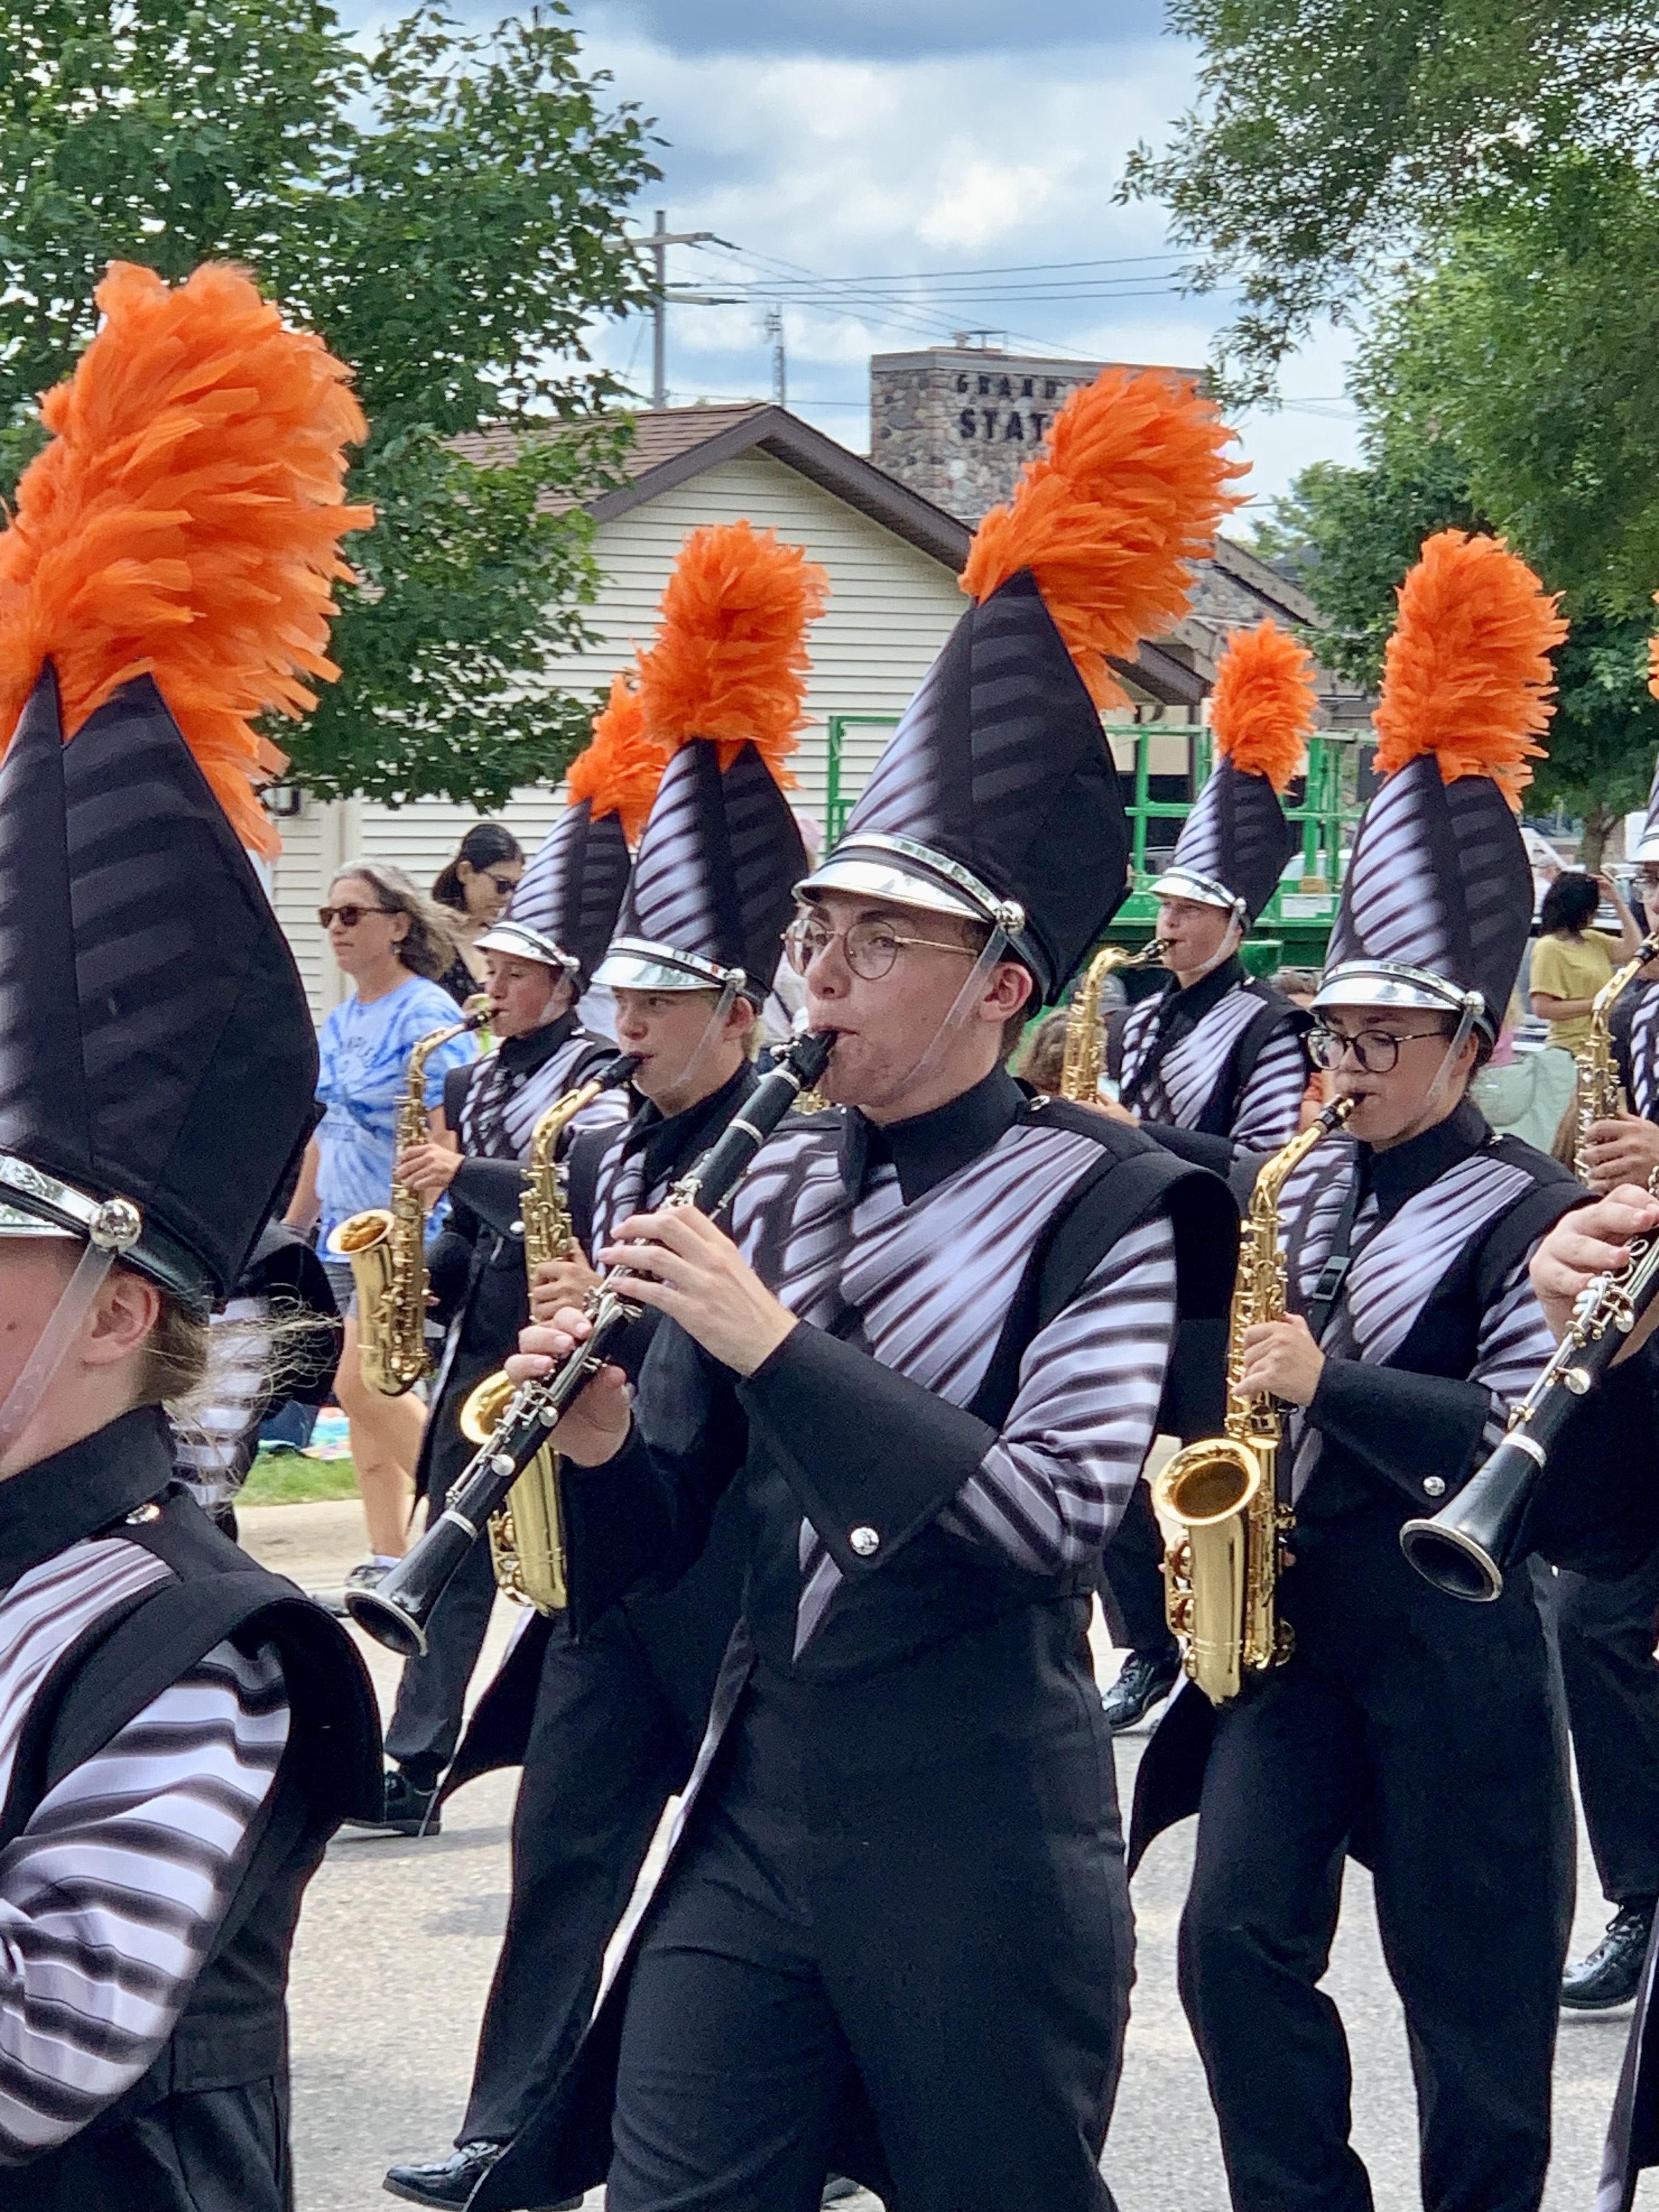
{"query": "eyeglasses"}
{"type": "Point", "coordinates": [348, 917]}
{"type": "Point", "coordinates": [505, 885]}
{"type": "Point", "coordinates": [869, 948]}
{"type": "Point", "coordinates": [1376, 1051]}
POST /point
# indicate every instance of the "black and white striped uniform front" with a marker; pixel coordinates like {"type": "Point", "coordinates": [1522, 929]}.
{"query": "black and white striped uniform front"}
{"type": "Point", "coordinates": [503, 1104]}
{"type": "Point", "coordinates": [929, 1282]}
{"type": "Point", "coordinates": [110, 1899]}
{"type": "Point", "coordinates": [1177, 1086]}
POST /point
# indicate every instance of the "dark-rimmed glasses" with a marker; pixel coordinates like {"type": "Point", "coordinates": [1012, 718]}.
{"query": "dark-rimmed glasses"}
{"type": "Point", "coordinates": [869, 948]}
{"type": "Point", "coordinates": [505, 885]}
{"type": "Point", "coordinates": [348, 917]}
{"type": "Point", "coordinates": [1376, 1051]}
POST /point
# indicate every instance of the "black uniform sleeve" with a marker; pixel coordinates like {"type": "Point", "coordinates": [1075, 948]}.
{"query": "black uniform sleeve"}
{"type": "Point", "coordinates": [493, 1190]}
{"type": "Point", "coordinates": [1192, 1144]}
{"type": "Point", "coordinates": [1597, 1506]}
{"type": "Point", "coordinates": [1406, 1427]}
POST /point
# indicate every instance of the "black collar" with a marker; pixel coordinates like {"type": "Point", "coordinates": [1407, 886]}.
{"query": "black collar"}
{"type": "Point", "coordinates": [931, 1146]}
{"type": "Point", "coordinates": [1404, 1170]}
{"type": "Point", "coordinates": [672, 1141]}
{"type": "Point", "coordinates": [1188, 1007]}
{"type": "Point", "coordinates": [82, 1489]}
{"type": "Point", "coordinates": [520, 1055]}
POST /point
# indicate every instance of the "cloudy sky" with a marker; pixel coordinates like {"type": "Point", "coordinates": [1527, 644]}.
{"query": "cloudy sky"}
{"type": "Point", "coordinates": [888, 171]}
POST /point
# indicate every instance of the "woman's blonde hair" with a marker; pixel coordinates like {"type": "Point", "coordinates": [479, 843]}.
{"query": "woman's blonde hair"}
{"type": "Point", "coordinates": [428, 947]}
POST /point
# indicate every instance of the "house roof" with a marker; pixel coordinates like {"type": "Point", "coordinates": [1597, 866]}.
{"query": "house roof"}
{"type": "Point", "coordinates": [673, 445]}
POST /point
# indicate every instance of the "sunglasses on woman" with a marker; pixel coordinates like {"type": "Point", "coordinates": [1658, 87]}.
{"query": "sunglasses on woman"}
{"type": "Point", "coordinates": [348, 917]}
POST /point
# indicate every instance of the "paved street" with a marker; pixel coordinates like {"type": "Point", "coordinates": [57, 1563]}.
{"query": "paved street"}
{"type": "Point", "coordinates": [397, 1942]}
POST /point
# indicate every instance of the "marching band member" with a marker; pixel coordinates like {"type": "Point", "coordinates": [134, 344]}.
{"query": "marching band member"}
{"type": "Point", "coordinates": [539, 958]}
{"type": "Point", "coordinates": [606, 1730]}
{"type": "Point", "coordinates": [1416, 1732]}
{"type": "Point", "coordinates": [179, 1730]}
{"type": "Point", "coordinates": [1214, 1065]}
{"type": "Point", "coordinates": [894, 1938]}
{"type": "Point", "coordinates": [1608, 1629]}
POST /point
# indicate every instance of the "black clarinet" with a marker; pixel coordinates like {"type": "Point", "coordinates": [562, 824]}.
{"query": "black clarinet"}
{"type": "Point", "coordinates": [1465, 1548]}
{"type": "Point", "coordinates": [396, 1610]}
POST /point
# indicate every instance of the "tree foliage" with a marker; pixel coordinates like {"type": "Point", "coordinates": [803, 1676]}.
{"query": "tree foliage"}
{"type": "Point", "coordinates": [445, 210]}
{"type": "Point", "coordinates": [1329, 133]}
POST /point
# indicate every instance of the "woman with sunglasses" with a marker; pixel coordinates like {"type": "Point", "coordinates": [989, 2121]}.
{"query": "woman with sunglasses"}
{"type": "Point", "coordinates": [392, 944]}
{"type": "Point", "coordinates": [475, 889]}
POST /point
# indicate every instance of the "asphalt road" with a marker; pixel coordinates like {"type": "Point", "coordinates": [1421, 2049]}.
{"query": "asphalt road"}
{"type": "Point", "coordinates": [398, 1938]}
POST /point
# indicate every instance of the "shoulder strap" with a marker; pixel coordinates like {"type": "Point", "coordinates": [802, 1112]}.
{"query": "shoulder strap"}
{"type": "Point", "coordinates": [1516, 1231]}
{"type": "Point", "coordinates": [1111, 1199]}
{"type": "Point", "coordinates": [456, 1081]}
{"type": "Point", "coordinates": [1116, 1023]}
{"type": "Point", "coordinates": [1275, 1013]}
{"type": "Point", "coordinates": [581, 1184]}
{"type": "Point", "coordinates": [138, 1650]}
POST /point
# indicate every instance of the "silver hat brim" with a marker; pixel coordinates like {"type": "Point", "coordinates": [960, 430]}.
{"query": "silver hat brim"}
{"type": "Point", "coordinates": [1202, 890]}
{"type": "Point", "coordinates": [517, 939]}
{"type": "Point", "coordinates": [1379, 983]}
{"type": "Point", "coordinates": [883, 880]}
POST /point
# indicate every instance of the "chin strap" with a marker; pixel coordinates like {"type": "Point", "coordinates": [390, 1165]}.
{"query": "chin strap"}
{"type": "Point", "coordinates": [63, 1324]}
{"type": "Point", "coordinates": [692, 1073]}
{"type": "Point", "coordinates": [1472, 1006]}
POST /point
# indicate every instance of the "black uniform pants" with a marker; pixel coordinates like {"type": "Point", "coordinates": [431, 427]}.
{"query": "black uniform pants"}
{"type": "Point", "coordinates": [426, 1721]}
{"type": "Point", "coordinates": [605, 1755]}
{"type": "Point", "coordinates": [753, 2050]}
{"type": "Point", "coordinates": [1607, 1631]}
{"type": "Point", "coordinates": [1426, 1732]}
{"type": "Point", "coordinates": [1133, 1580]}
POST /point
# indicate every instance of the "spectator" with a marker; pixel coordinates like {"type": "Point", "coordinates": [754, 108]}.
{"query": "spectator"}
{"type": "Point", "coordinates": [475, 889]}
{"type": "Point", "coordinates": [1527, 1096]}
{"type": "Point", "coordinates": [1043, 1056]}
{"type": "Point", "coordinates": [1572, 961]}
{"type": "Point", "coordinates": [393, 943]}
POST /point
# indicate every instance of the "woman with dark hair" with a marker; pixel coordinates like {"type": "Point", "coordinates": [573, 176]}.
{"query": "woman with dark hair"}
{"type": "Point", "coordinates": [393, 943]}
{"type": "Point", "coordinates": [1572, 961]}
{"type": "Point", "coordinates": [475, 889]}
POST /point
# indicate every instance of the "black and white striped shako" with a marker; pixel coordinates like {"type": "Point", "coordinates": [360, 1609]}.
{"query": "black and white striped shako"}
{"type": "Point", "coordinates": [564, 909]}
{"type": "Point", "coordinates": [711, 894]}
{"type": "Point", "coordinates": [156, 1044]}
{"type": "Point", "coordinates": [1436, 903]}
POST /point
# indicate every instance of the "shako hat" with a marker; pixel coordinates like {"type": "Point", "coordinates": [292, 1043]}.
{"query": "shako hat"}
{"type": "Point", "coordinates": [1437, 901]}
{"type": "Point", "coordinates": [165, 579]}
{"type": "Point", "coordinates": [1233, 846]}
{"type": "Point", "coordinates": [565, 906]}
{"type": "Point", "coordinates": [721, 690]}
{"type": "Point", "coordinates": [996, 797]}
{"type": "Point", "coordinates": [1647, 845]}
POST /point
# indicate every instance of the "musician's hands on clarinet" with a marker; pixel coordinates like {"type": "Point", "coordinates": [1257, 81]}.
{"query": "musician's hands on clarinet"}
{"type": "Point", "coordinates": [1623, 1151]}
{"type": "Point", "coordinates": [594, 1426]}
{"type": "Point", "coordinates": [560, 1283]}
{"type": "Point", "coordinates": [1588, 1241]}
{"type": "Point", "coordinates": [686, 1265]}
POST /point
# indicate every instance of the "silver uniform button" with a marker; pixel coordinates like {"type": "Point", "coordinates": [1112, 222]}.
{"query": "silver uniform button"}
{"type": "Point", "coordinates": [864, 1541]}
{"type": "Point", "coordinates": [1435, 1485]}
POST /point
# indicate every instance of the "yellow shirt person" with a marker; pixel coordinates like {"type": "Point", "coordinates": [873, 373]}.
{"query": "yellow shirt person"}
{"type": "Point", "coordinates": [1571, 961]}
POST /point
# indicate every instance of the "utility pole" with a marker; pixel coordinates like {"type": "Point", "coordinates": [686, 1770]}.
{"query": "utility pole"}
{"type": "Point", "coordinates": [657, 240]}
{"type": "Point", "coordinates": [779, 366]}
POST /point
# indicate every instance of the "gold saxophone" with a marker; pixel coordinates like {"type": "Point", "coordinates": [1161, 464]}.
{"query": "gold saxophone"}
{"type": "Point", "coordinates": [1600, 1096]}
{"type": "Point", "coordinates": [1085, 1040]}
{"type": "Point", "coordinates": [387, 1245]}
{"type": "Point", "coordinates": [1221, 1571]}
{"type": "Point", "coordinates": [526, 1537]}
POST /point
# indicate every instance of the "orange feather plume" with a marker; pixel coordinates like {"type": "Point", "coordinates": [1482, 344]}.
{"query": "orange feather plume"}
{"type": "Point", "coordinates": [619, 771]}
{"type": "Point", "coordinates": [184, 523]}
{"type": "Point", "coordinates": [730, 658]}
{"type": "Point", "coordinates": [1263, 705]}
{"type": "Point", "coordinates": [1127, 492]}
{"type": "Point", "coordinates": [1466, 674]}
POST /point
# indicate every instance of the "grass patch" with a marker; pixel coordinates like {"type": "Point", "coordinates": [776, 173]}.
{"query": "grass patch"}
{"type": "Point", "coordinates": [285, 1479]}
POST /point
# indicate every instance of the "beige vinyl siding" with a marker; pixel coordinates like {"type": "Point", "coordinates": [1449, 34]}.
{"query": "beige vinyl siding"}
{"type": "Point", "coordinates": [890, 609]}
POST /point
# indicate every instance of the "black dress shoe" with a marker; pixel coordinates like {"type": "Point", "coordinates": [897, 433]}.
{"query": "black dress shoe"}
{"type": "Point", "coordinates": [1144, 1681]}
{"type": "Point", "coordinates": [451, 2181]}
{"type": "Point", "coordinates": [409, 1812]}
{"type": "Point", "coordinates": [1612, 1974]}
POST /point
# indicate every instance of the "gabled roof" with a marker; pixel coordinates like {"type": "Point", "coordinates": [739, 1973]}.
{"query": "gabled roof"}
{"type": "Point", "coordinates": [673, 445]}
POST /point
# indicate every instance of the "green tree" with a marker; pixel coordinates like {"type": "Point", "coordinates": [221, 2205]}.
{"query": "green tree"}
{"type": "Point", "coordinates": [1329, 133]}
{"type": "Point", "coordinates": [446, 211]}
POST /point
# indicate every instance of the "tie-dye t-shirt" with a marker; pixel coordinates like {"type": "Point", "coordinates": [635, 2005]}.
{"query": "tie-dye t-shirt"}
{"type": "Point", "coordinates": [364, 1054]}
